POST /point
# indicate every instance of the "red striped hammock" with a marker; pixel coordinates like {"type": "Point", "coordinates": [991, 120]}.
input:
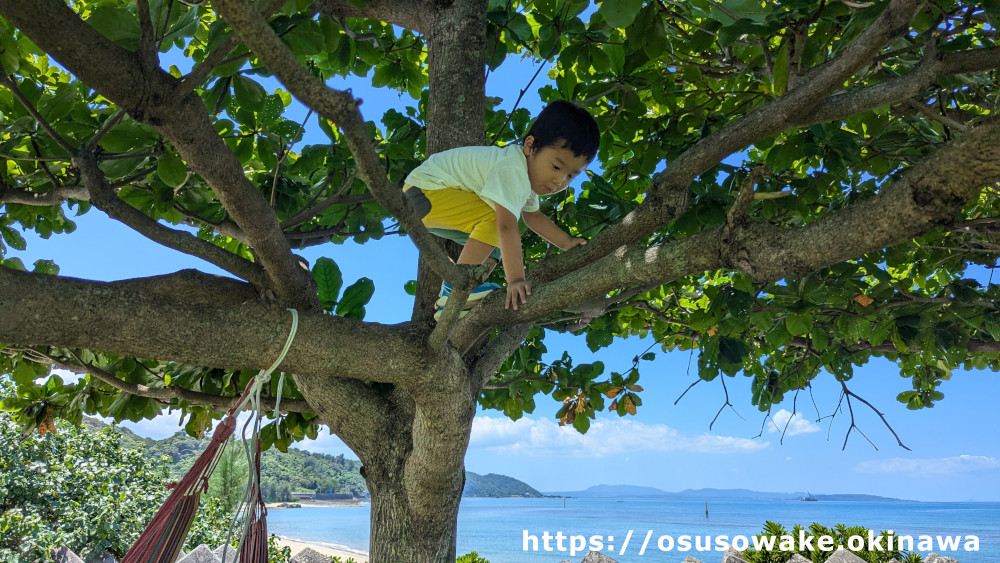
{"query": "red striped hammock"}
{"type": "Point", "coordinates": [164, 536]}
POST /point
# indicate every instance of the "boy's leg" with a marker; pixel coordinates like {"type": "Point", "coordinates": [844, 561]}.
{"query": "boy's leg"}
{"type": "Point", "coordinates": [459, 212]}
{"type": "Point", "coordinates": [475, 252]}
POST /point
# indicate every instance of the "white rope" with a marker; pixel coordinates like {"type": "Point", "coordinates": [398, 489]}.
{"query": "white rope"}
{"type": "Point", "coordinates": [253, 400]}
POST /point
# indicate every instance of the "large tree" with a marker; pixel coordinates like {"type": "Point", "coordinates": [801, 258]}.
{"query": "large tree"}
{"type": "Point", "coordinates": [790, 188]}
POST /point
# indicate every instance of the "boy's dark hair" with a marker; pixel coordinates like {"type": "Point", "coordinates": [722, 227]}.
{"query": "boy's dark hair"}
{"type": "Point", "coordinates": [566, 125]}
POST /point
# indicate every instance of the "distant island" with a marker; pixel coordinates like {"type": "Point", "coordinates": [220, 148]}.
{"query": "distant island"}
{"type": "Point", "coordinates": [633, 491]}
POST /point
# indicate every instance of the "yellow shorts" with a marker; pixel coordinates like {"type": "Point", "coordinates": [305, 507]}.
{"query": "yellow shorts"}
{"type": "Point", "coordinates": [460, 210]}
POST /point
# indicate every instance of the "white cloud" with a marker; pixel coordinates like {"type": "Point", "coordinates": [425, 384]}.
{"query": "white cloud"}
{"type": "Point", "coordinates": [797, 425]}
{"type": "Point", "coordinates": [163, 426]}
{"type": "Point", "coordinates": [326, 443]}
{"type": "Point", "coordinates": [930, 466]}
{"type": "Point", "coordinates": [544, 437]}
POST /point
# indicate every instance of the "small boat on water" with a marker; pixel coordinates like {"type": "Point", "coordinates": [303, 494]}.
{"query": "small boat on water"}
{"type": "Point", "coordinates": [809, 497]}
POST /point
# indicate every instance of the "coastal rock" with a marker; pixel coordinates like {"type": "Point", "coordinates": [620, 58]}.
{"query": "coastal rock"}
{"type": "Point", "coordinates": [733, 556]}
{"type": "Point", "coordinates": [310, 555]}
{"type": "Point", "coordinates": [935, 558]}
{"type": "Point", "coordinates": [797, 558]}
{"type": "Point", "coordinates": [200, 554]}
{"type": "Point", "coordinates": [690, 559]}
{"type": "Point", "coordinates": [844, 556]}
{"type": "Point", "coordinates": [103, 557]}
{"type": "Point", "coordinates": [232, 555]}
{"type": "Point", "coordinates": [65, 555]}
{"type": "Point", "coordinates": [597, 557]}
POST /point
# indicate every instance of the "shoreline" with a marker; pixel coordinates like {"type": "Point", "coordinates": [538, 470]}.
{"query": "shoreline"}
{"type": "Point", "coordinates": [344, 554]}
{"type": "Point", "coordinates": [346, 503]}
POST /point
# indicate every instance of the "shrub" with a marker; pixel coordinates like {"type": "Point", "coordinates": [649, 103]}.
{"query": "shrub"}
{"type": "Point", "coordinates": [85, 490]}
{"type": "Point", "coordinates": [840, 534]}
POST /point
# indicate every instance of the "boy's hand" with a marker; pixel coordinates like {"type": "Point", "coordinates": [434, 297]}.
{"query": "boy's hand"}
{"type": "Point", "coordinates": [518, 289]}
{"type": "Point", "coordinates": [575, 242]}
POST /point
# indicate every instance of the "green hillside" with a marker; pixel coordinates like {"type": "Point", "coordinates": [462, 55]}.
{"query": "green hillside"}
{"type": "Point", "coordinates": [298, 470]}
{"type": "Point", "coordinates": [281, 473]}
{"type": "Point", "coordinates": [493, 485]}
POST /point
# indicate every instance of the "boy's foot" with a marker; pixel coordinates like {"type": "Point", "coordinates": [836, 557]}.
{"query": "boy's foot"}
{"type": "Point", "coordinates": [476, 296]}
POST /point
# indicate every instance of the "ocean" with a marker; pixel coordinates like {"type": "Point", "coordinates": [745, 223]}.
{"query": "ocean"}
{"type": "Point", "coordinates": [518, 530]}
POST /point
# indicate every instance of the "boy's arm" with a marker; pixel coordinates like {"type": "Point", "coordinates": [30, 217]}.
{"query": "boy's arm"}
{"type": "Point", "coordinates": [513, 263]}
{"type": "Point", "coordinates": [545, 228]}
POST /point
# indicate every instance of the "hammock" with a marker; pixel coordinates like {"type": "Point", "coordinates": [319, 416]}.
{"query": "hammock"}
{"type": "Point", "coordinates": [163, 537]}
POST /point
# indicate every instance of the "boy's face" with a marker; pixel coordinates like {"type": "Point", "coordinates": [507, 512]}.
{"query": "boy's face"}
{"type": "Point", "coordinates": [552, 168]}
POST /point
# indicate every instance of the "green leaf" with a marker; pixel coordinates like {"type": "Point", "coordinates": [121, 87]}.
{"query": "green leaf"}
{"type": "Point", "coordinates": [248, 93]}
{"type": "Point", "coordinates": [778, 336]}
{"type": "Point", "coordinates": [13, 238]}
{"type": "Point", "coordinates": [46, 267]}
{"type": "Point", "coordinates": [410, 287]}
{"type": "Point", "coordinates": [356, 296]}
{"type": "Point", "coordinates": [732, 350]}
{"type": "Point", "coordinates": [117, 24]}
{"type": "Point", "coordinates": [742, 27]}
{"type": "Point", "coordinates": [798, 325]}
{"type": "Point", "coordinates": [329, 281]}
{"type": "Point", "coordinates": [171, 170]}
{"type": "Point", "coordinates": [620, 13]}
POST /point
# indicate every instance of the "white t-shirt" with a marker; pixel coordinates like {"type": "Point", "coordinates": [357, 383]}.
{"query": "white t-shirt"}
{"type": "Point", "coordinates": [498, 175]}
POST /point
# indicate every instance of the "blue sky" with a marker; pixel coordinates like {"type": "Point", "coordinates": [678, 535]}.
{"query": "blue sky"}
{"type": "Point", "coordinates": [955, 449]}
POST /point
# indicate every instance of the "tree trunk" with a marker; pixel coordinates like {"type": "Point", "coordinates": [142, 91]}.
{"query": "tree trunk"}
{"type": "Point", "coordinates": [456, 54]}
{"type": "Point", "coordinates": [396, 536]}
{"type": "Point", "coordinates": [400, 532]}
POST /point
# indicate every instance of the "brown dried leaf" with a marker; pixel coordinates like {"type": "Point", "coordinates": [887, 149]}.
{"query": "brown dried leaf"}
{"type": "Point", "coordinates": [629, 406]}
{"type": "Point", "coordinates": [613, 392]}
{"type": "Point", "coordinates": [635, 387]}
{"type": "Point", "coordinates": [863, 299]}
{"type": "Point", "coordinates": [713, 330]}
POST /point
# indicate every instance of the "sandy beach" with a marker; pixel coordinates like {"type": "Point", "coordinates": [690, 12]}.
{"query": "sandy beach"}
{"type": "Point", "coordinates": [298, 546]}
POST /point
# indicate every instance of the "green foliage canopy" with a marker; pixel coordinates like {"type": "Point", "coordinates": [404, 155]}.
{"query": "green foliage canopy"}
{"type": "Point", "coordinates": [790, 188]}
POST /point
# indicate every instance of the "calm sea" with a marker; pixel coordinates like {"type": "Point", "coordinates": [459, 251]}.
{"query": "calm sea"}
{"type": "Point", "coordinates": [495, 528]}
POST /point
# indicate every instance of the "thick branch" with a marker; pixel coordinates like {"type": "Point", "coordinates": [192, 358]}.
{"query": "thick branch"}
{"type": "Point", "coordinates": [929, 195]}
{"type": "Point", "coordinates": [51, 197]}
{"type": "Point", "coordinates": [203, 320]}
{"type": "Point", "coordinates": [146, 94]}
{"type": "Point", "coordinates": [973, 346]}
{"type": "Point", "coordinates": [404, 13]}
{"type": "Point", "coordinates": [930, 69]}
{"type": "Point", "coordinates": [104, 198]}
{"type": "Point", "coordinates": [352, 410]}
{"type": "Point", "coordinates": [629, 266]}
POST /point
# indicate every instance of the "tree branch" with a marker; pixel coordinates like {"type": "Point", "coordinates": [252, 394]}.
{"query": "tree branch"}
{"type": "Point", "coordinates": [213, 321]}
{"type": "Point", "coordinates": [667, 196]}
{"type": "Point", "coordinates": [51, 197]}
{"type": "Point", "coordinates": [927, 196]}
{"type": "Point", "coordinates": [848, 393]}
{"type": "Point", "coordinates": [404, 13]}
{"type": "Point", "coordinates": [932, 67]}
{"type": "Point", "coordinates": [104, 198]}
{"type": "Point", "coordinates": [341, 108]}
{"type": "Point", "coordinates": [10, 85]}
{"type": "Point", "coordinates": [145, 94]}
{"type": "Point", "coordinates": [166, 394]}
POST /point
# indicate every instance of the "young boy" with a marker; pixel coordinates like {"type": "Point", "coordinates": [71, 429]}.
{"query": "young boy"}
{"type": "Point", "coordinates": [475, 195]}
